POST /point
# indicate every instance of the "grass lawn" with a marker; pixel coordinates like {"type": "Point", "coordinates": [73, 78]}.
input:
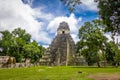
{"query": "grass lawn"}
{"type": "Point", "coordinates": [54, 73]}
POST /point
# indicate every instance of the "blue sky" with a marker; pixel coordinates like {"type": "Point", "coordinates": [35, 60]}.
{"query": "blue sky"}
{"type": "Point", "coordinates": [41, 18]}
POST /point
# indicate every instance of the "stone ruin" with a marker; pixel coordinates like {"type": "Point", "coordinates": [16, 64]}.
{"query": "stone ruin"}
{"type": "Point", "coordinates": [5, 61]}
{"type": "Point", "coordinates": [60, 52]}
{"type": "Point", "coordinates": [62, 49]}
{"type": "Point", "coordinates": [10, 62]}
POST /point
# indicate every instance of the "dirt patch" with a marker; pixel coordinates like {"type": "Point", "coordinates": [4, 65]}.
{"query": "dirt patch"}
{"type": "Point", "coordinates": [104, 76]}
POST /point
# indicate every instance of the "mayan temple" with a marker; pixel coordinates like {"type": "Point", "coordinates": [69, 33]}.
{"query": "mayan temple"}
{"type": "Point", "coordinates": [62, 48]}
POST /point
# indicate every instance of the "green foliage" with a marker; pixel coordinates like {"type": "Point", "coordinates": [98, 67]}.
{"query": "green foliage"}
{"type": "Point", "coordinates": [42, 49]}
{"type": "Point", "coordinates": [32, 51]}
{"type": "Point", "coordinates": [110, 52]}
{"type": "Point", "coordinates": [91, 41]}
{"type": "Point", "coordinates": [113, 53]}
{"type": "Point", "coordinates": [17, 44]}
{"type": "Point", "coordinates": [116, 50]}
{"type": "Point", "coordinates": [6, 42]}
{"type": "Point", "coordinates": [71, 4]}
{"type": "Point", "coordinates": [21, 34]}
{"type": "Point", "coordinates": [109, 11]}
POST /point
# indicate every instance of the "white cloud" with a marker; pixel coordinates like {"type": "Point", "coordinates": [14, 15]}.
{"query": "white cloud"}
{"type": "Point", "coordinates": [28, 2]}
{"type": "Point", "coordinates": [75, 37]}
{"type": "Point", "coordinates": [43, 37]}
{"type": "Point", "coordinates": [42, 15]}
{"type": "Point", "coordinates": [46, 46]}
{"type": "Point", "coordinates": [72, 22]}
{"type": "Point", "coordinates": [108, 36]}
{"type": "Point", "coordinates": [14, 13]}
{"type": "Point", "coordinates": [89, 5]}
{"type": "Point", "coordinates": [117, 39]}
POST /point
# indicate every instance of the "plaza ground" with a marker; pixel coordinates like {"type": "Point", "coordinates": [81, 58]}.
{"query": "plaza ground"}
{"type": "Point", "coordinates": [60, 73]}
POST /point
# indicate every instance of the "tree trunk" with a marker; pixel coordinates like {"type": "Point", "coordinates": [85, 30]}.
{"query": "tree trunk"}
{"type": "Point", "coordinates": [116, 64]}
{"type": "Point", "coordinates": [97, 61]}
{"type": "Point", "coordinates": [114, 43]}
{"type": "Point", "coordinates": [104, 58]}
{"type": "Point", "coordinates": [98, 64]}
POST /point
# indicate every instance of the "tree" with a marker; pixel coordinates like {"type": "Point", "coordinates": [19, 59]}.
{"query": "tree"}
{"type": "Point", "coordinates": [17, 44]}
{"type": "Point", "coordinates": [6, 42]}
{"type": "Point", "coordinates": [71, 4]}
{"type": "Point", "coordinates": [93, 41]}
{"type": "Point", "coordinates": [116, 49]}
{"type": "Point", "coordinates": [109, 10]}
{"type": "Point", "coordinates": [17, 48]}
{"type": "Point", "coordinates": [21, 38]}
{"type": "Point", "coordinates": [32, 51]}
{"type": "Point", "coordinates": [21, 33]}
{"type": "Point", "coordinates": [42, 49]}
{"type": "Point", "coordinates": [110, 53]}
{"type": "Point", "coordinates": [113, 53]}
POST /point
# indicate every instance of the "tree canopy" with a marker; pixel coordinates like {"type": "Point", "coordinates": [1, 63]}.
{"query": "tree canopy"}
{"type": "Point", "coordinates": [71, 4]}
{"type": "Point", "coordinates": [17, 44]}
{"type": "Point", "coordinates": [109, 11]}
{"type": "Point", "coordinates": [92, 41]}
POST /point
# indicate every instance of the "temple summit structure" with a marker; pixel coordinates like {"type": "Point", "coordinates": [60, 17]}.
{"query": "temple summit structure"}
{"type": "Point", "coordinates": [62, 48]}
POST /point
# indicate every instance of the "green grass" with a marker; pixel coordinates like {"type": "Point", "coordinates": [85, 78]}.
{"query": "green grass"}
{"type": "Point", "coordinates": [53, 73]}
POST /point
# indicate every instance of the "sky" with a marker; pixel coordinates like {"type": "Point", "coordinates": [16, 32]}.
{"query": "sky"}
{"type": "Point", "coordinates": [41, 18]}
